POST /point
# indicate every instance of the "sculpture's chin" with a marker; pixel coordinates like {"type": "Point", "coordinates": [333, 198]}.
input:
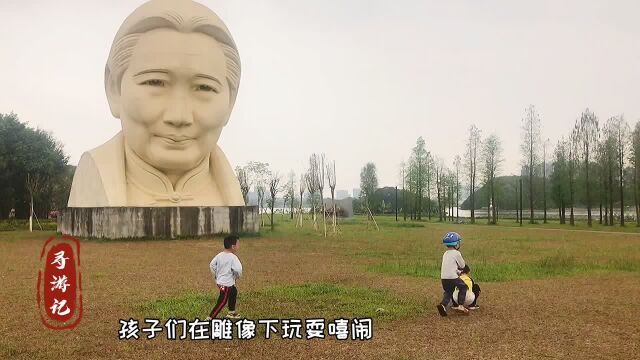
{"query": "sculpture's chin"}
{"type": "Point", "coordinates": [169, 155]}
{"type": "Point", "coordinates": [176, 162]}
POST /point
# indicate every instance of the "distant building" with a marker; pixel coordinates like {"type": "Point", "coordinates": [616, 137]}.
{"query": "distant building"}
{"type": "Point", "coordinates": [342, 194]}
{"type": "Point", "coordinates": [356, 193]}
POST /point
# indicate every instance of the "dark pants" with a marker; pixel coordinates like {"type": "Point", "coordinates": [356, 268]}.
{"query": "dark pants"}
{"type": "Point", "coordinates": [449, 285]}
{"type": "Point", "coordinates": [228, 294]}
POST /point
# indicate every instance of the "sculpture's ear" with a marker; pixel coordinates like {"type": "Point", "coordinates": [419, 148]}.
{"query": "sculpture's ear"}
{"type": "Point", "coordinates": [113, 93]}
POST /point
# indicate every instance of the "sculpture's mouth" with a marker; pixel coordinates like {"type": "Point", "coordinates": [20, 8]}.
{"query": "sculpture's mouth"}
{"type": "Point", "coordinates": [176, 140]}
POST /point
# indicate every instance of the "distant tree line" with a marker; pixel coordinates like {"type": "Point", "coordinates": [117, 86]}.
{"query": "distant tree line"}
{"type": "Point", "coordinates": [595, 167]}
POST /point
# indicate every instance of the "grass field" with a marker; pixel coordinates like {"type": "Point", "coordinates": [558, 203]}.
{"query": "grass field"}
{"type": "Point", "coordinates": [546, 293]}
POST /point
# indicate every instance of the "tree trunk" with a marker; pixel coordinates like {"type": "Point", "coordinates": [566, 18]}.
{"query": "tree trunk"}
{"type": "Point", "coordinates": [333, 203]}
{"type": "Point", "coordinates": [560, 213]}
{"type": "Point", "coordinates": [493, 202]}
{"type": "Point", "coordinates": [451, 204]}
{"type": "Point", "coordinates": [473, 205]}
{"type": "Point", "coordinates": [429, 197]}
{"type": "Point", "coordinates": [571, 217]}
{"type": "Point", "coordinates": [439, 204]}
{"type": "Point", "coordinates": [516, 204]}
{"type": "Point", "coordinates": [544, 190]}
{"type": "Point", "coordinates": [586, 163]}
{"type": "Point", "coordinates": [419, 190]}
{"type": "Point", "coordinates": [324, 215]}
{"type": "Point", "coordinates": [31, 215]}
{"type": "Point", "coordinates": [610, 193]}
{"type": "Point", "coordinates": [531, 216]}
{"type": "Point", "coordinates": [601, 196]}
{"type": "Point", "coordinates": [521, 201]}
{"type": "Point", "coordinates": [272, 204]}
{"type": "Point", "coordinates": [300, 213]}
{"type": "Point", "coordinates": [635, 193]}
{"type": "Point", "coordinates": [458, 201]}
{"type": "Point", "coordinates": [621, 168]}
{"type": "Point", "coordinates": [404, 204]}
{"type": "Point", "coordinates": [600, 220]}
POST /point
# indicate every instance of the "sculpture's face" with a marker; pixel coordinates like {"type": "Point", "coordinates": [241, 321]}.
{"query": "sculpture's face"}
{"type": "Point", "coordinates": [174, 98]}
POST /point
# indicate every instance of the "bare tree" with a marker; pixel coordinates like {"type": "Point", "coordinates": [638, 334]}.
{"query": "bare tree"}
{"type": "Point", "coordinates": [473, 146]}
{"type": "Point", "coordinates": [530, 148]}
{"type": "Point", "coordinates": [331, 176]}
{"type": "Point", "coordinates": [419, 156]}
{"type": "Point", "coordinates": [544, 178]}
{"type": "Point", "coordinates": [429, 164]}
{"type": "Point", "coordinates": [492, 158]}
{"type": "Point", "coordinates": [635, 162]}
{"type": "Point", "coordinates": [274, 182]}
{"type": "Point", "coordinates": [559, 178]}
{"type": "Point", "coordinates": [313, 186]}
{"type": "Point", "coordinates": [607, 162]}
{"type": "Point", "coordinates": [368, 186]}
{"type": "Point", "coordinates": [320, 181]}
{"type": "Point", "coordinates": [404, 202]}
{"type": "Point", "coordinates": [601, 166]}
{"type": "Point", "coordinates": [572, 144]}
{"type": "Point", "coordinates": [588, 132]}
{"type": "Point", "coordinates": [457, 163]}
{"type": "Point", "coordinates": [410, 201]}
{"type": "Point", "coordinates": [451, 184]}
{"type": "Point", "coordinates": [303, 185]}
{"type": "Point", "coordinates": [439, 171]}
{"type": "Point", "coordinates": [243, 179]}
{"type": "Point", "coordinates": [261, 190]}
{"type": "Point", "coordinates": [291, 192]}
{"type": "Point", "coordinates": [618, 129]}
{"type": "Point", "coordinates": [623, 145]}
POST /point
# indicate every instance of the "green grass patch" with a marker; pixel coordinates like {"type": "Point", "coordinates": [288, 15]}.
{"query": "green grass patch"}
{"type": "Point", "coordinates": [22, 224]}
{"type": "Point", "coordinates": [547, 267]}
{"type": "Point", "coordinates": [290, 301]}
{"type": "Point", "coordinates": [407, 225]}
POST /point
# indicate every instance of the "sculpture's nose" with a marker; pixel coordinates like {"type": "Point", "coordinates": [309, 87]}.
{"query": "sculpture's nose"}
{"type": "Point", "coordinates": [178, 112]}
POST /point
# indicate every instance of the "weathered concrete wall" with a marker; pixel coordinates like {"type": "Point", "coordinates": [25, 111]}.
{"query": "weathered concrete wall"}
{"type": "Point", "coordinates": [157, 222]}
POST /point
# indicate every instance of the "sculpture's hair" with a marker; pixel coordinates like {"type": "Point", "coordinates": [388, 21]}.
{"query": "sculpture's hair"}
{"type": "Point", "coordinates": [183, 16]}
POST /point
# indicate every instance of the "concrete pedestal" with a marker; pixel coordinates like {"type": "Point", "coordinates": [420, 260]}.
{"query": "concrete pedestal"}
{"type": "Point", "coordinates": [157, 222]}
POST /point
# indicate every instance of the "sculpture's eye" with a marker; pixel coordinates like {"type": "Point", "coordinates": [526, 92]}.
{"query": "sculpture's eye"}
{"type": "Point", "coordinates": [205, 87]}
{"type": "Point", "coordinates": [154, 82]}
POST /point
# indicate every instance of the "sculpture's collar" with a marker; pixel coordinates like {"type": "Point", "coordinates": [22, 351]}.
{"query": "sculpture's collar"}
{"type": "Point", "coordinates": [156, 187]}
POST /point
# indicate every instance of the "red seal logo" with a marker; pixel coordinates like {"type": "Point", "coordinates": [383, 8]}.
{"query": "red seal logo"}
{"type": "Point", "coordinates": [59, 291]}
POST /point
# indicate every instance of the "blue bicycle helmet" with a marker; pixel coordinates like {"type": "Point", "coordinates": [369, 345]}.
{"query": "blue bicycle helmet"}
{"type": "Point", "coordinates": [451, 239]}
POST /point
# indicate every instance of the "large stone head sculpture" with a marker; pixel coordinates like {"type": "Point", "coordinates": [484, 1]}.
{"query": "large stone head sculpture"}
{"type": "Point", "coordinates": [171, 78]}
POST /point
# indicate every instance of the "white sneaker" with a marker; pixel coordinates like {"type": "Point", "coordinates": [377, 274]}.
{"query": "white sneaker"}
{"type": "Point", "coordinates": [233, 315]}
{"type": "Point", "coordinates": [461, 309]}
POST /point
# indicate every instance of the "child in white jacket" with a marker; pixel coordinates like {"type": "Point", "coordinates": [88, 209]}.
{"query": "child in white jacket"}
{"type": "Point", "coordinates": [226, 268]}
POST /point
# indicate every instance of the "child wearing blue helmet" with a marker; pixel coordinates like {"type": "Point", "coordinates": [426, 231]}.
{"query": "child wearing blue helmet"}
{"type": "Point", "coordinates": [452, 264]}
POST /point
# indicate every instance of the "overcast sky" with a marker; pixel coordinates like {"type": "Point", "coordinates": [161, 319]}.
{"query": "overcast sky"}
{"type": "Point", "coordinates": [359, 80]}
